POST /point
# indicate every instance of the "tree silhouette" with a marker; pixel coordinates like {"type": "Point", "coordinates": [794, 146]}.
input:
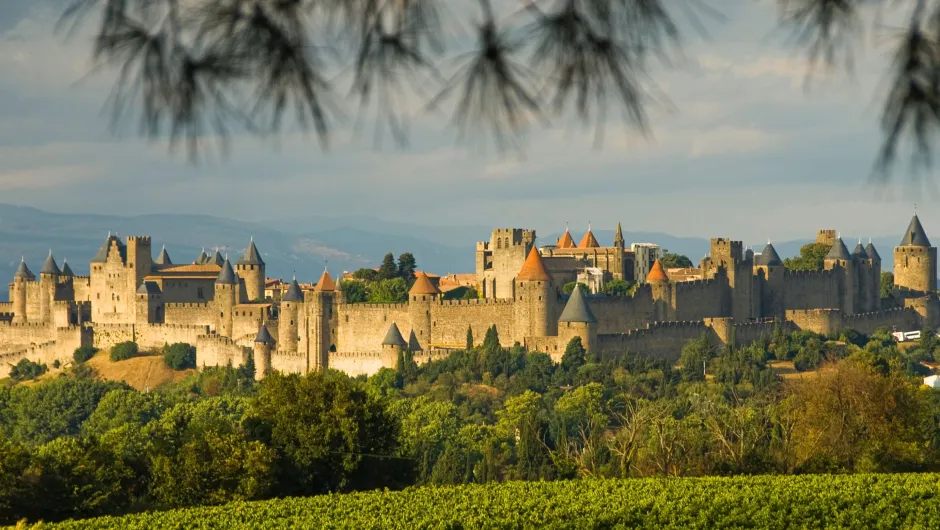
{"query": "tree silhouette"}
{"type": "Point", "coordinates": [195, 67]}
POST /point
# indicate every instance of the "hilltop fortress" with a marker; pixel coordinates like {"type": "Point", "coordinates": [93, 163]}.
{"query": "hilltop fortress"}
{"type": "Point", "coordinates": [221, 308]}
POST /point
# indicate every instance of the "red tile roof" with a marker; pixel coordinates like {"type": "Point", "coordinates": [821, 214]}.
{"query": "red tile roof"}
{"type": "Point", "coordinates": [533, 269]}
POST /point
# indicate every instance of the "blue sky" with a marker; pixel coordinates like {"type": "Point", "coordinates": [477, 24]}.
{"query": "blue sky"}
{"type": "Point", "coordinates": [746, 153]}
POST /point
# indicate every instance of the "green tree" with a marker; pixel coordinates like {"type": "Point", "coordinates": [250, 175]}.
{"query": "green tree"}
{"type": "Point", "coordinates": [671, 260]}
{"type": "Point", "coordinates": [619, 288]}
{"type": "Point", "coordinates": [695, 356]}
{"type": "Point", "coordinates": [366, 274]}
{"type": "Point", "coordinates": [123, 407]}
{"type": "Point", "coordinates": [810, 259]}
{"type": "Point", "coordinates": [179, 356]}
{"type": "Point", "coordinates": [469, 338]}
{"type": "Point", "coordinates": [887, 284]}
{"type": "Point", "coordinates": [354, 291]}
{"type": "Point", "coordinates": [123, 350]}
{"type": "Point", "coordinates": [329, 434]}
{"type": "Point", "coordinates": [388, 269]}
{"type": "Point", "coordinates": [407, 266]}
{"type": "Point", "coordinates": [391, 291]}
{"type": "Point", "coordinates": [568, 288]}
{"type": "Point", "coordinates": [575, 356]}
{"type": "Point", "coordinates": [84, 353]}
{"type": "Point", "coordinates": [26, 370]}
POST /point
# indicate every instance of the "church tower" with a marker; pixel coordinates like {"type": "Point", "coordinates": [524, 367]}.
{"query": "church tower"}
{"type": "Point", "coordinates": [915, 261]}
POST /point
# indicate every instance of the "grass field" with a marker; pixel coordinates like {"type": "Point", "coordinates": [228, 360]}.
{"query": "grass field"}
{"type": "Point", "coordinates": [811, 501]}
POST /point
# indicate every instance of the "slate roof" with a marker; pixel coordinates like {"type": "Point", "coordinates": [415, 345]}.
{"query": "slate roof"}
{"type": "Point", "coordinates": [293, 294]}
{"type": "Point", "coordinates": [577, 309]}
{"type": "Point", "coordinates": [202, 258]}
{"type": "Point", "coordinates": [216, 259]}
{"type": "Point", "coordinates": [226, 275]}
{"type": "Point", "coordinates": [148, 288]}
{"type": "Point", "coordinates": [163, 258]}
{"type": "Point", "coordinates": [264, 336]}
{"type": "Point", "coordinates": [23, 272]}
{"type": "Point", "coordinates": [768, 257]}
{"type": "Point", "coordinates": [859, 252]}
{"type": "Point", "coordinates": [102, 255]}
{"type": "Point", "coordinates": [393, 337]}
{"type": "Point", "coordinates": [66, 270]}
{"type": "Point", "coordinates": [839, 251]}
{"type": "Point", "coordinates": [413, 343]}
{"type": "Point", "coordinates": [872, 252]}
{"type": "Point", "coordinates": [251, 256]}
{"type": "Point", "coordinates": [50, 267]}
{"type": "Point", "coordinates": [915, 235]}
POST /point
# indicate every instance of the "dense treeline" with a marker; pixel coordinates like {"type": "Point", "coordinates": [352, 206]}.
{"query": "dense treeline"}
{"type": "Point", "coordinates": [74, 446]}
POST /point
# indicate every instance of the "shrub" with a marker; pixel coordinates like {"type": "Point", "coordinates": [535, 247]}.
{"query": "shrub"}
{"type": "Point", "coordinates": [124, 350]}
{"type": "Point", "coordinates": [26, 370]}
{"type": "Point", "coordinates": [179, 356]}
{"type": "Point", "coordinates": [84, 353]}
{"type": "Point", "coordinates": [56, 364]}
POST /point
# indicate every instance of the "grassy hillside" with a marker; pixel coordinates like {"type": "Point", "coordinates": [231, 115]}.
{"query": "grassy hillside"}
{"type": "Point", "coordinates": [811, 501]}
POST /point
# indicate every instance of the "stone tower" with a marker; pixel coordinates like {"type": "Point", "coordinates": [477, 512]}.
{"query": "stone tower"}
{"type": "Point", "coordinates": [768, 265]}
{"type": "Point", "coordinates": [288, 318]}
{"type": "Point", "coordinates": [577, 320]}
{"type": "Point", "coordinates": [226, 290]}
{"type": "Point", "coordinates": [250, 268]}
{"type": "Point", "coordinates": [262, 352]}
{"type": "Point", "coordinates": [915, 261]}
{"type": "Point", "coordinates": [534, 305]}
{"type": "Point", "coordinates": [48, 278]}
{"type": "Point", "coordinates": [148, 303]}
{"type": "Point", "coordinates": [739, 301]}
{"type": "Point", "coordinates": [320, 316]}
{"type": "Point", "coordinates": [864, 303]}
{"type": "Point", "coordinates": [393, 345]}
{"type": "Point", "coordinates": [618, 238]}
{"type": "Point", "coordinates": [139, 261]}
{"type": "Point", "coordinates": [875, 258]}
{"type": "Point", "coordinates": [840, 262]}
{"type": "Point", "coordinates": [21, 279]}
{"type": "Point", "coordinates": [499, 259]}
{"type": "Point", "coordinates": [661, 292]}
{"type": "Point", "coordinates": [422, 294]}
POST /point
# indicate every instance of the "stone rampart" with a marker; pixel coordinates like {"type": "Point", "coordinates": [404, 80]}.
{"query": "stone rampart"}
{"type": "Point", "coordinates": [362, 327]}
{"type": "Point", "coordinates": [193, 313]}
{"type": "Point", "coordinates": [449, 321]}
{"type": "Point", "coordinates": [213, 350]}
{"type": "Point", "coordinates": [661, 339]}
{"type": "Point", "coordinates": [699, 299]}
{"type": "Point", "coordinates": [810, 289]}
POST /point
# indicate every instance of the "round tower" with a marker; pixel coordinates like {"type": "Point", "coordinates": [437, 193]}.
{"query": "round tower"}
{"type": "Point", "coordinates": [393, 345]}
{"type": "Point", "coordinates": [422, 294]}
{"type": "Point", "coordinates": [21, 279]}
{"type": "Point", "coordinates": [577, 320]}
{"type": "Point", "coordinates": [534, 302]}
{"type": "Point", "coordinates": [250, 268]}
{"type": "Point", "coordinates": [262, 352]}
{"type": "Point", "coordinates": [839, 259]}
{"type": "Point", "coordinates": [915, 261]}
{"type": "Point", "coordinates": [226, 290]}
{"type": "Point", "coordinates": [287, 323]}
{"type": "Point", "coordinates": [661, 291]}
{"type": "Point", "coordinates": [321, 316]}
{"type": "Point", "coordinates": [48, 278]}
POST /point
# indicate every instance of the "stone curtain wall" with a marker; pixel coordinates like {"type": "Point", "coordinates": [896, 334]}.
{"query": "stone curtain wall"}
{"type": "Point", "coordinates": [362, 327]}
{"type": "Point", "coordinates": [213, 350]}
{"type": "Point", "coordinates": [450, 319]}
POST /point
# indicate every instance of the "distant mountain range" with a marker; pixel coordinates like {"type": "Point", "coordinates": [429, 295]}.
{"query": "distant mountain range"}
{"type": "Point", "coordinates": [301, 246]}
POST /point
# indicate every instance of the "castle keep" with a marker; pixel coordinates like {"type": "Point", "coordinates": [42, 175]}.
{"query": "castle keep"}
{"type": "Point", "coordinates": [221, 307]}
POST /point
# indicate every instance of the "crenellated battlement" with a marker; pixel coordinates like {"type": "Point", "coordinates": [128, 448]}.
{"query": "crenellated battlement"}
{"type": "Point", "coordinates": [790, 274]}
{"type": "Point", "coordinates": [187, 305]}
{"type": "Point", "coordinates": [354, 355]}
{"type": "Point", "coordinates": [353, 307]}
{"type": "Point", "coordinates": [478, 302]}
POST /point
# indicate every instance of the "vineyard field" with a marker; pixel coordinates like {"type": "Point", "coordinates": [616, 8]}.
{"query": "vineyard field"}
{"type": "Point", "coordinates": [809, 501]}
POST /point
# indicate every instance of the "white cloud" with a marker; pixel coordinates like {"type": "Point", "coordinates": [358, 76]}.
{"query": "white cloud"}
{"type": "Point", "coordinates": [733, 141]}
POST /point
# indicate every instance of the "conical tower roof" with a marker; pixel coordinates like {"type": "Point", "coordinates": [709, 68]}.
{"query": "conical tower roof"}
{"type": "Point", "coordinates": [577, 309]}
{"type": "Point", "coordinates": [202, 258]}
{"type": "Point", "coordinates": [23, 272]}
{"type": "Point", "coordinates": [163, 258]}
{"type": "Point", "coordinates": [533, 269]}
{"type": "Point", "coordinates": [872, 252]}
{"type": "Point", "coordinates": [859, 252]}
{"type": "Point", "coordinates": [393, 337]}
{"type": "Point", "coordinates": [413, 343]}
{"type": "Point", "coordinates": [102, 255]}
{"type": "Point", "coordinates": [50, 267]}
{"type": "Point", "coordinates": [216, 259]}
{"type": "Point", "coordinates": [423, 285]}
{"type": "Point", "coordinates": [226, 275]}
{"type": "Point", "coordinates": [293, 294]}
{"type": "Point", "coordinates": [915, 235]}
{"type": "Point", "coordinates": [839, 251]}
{"type": "Point", "coordinates": [264, 336]}
{"type": "Point", "coordinates": [326, 283]}
{"type": "Point", "coordinates": [66, 270]}
{"type": "Point", "coordinates": [657, 274]}
{"type": "Point", "coordinates": [769, 257]}
{"type": "Point", "coordinates": [589, 241]}
{"type": "Point", "coordinates": [565, 241]}
{"type": "Point", "coordinates": [251, 256]}
{"type": "Point", "coordinates": [618, 235]}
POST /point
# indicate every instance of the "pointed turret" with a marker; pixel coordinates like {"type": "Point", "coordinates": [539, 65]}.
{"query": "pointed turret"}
{"type": "Point", "coordinates": [251, 256]}
{"type": "Point", "coordinates": [50, 267]}
{"type": "Point", "coordinates": [533, 269]}
{"type": "Point", "coordinates": [915, 235]}
{"type": "Point", "coordinates": [566, 241]}
{"type": "Point", "coordinates": [768, 257]}
{"type": "Point", "coordinates": [589, 241]}
{"type": "Point", "coordinates": [293, 294]}
{"type": "Point", "coordinates": [859, 252]}
{"type": "Point", "coordinates": [839, 251]}
{"type": "Point", "coordinates": [413, 343]}
{"type": "Point", "coordinates": [393, 337]}
{"type": "Point", "coordinates": [618, 237]}
{"type": "Point", "coordinates": [216, 259]}
{"type": "Point", "coordinates": [226, 275]}
{"type": "Point", "coordinates": [102, 255]}
{"type": "Point", "coordinates": [202, 258]}
{"type": "Point", "coordinates": [423, 285]}
{"type": "Point", "coordinates": [23, 272]}
{"type": "Point", "coordinates": [326, 283]}
{"type": "Point", "coordinates": [264, 337]}
{"type": "Point", "coordinates": [577, 309]}
{"type": "Point", "coordinates": [66, 270]}
{"type": "Point", "coordinates": [657, 274]}
{"type": "Point", "coordinates": [163, 258]}
{"type": "Point", "coordinates": [872, 252]}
